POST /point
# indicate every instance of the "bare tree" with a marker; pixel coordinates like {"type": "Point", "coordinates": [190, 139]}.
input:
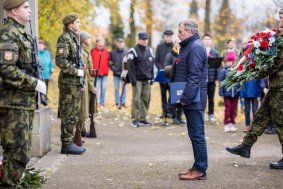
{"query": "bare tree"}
{"type": "Point", "coordinates": [148, 19]}
{"type": "Point", "coordinates": [207, 17]}
{"type": "Point", "coordinates": [132, 36]}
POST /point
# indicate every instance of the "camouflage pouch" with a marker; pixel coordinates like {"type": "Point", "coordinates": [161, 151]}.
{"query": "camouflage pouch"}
{"type": "Point", "coordinates": [8, 53]}
{"type": "Point", "coordinates": [3, 111]}
{"type": "Point", "coordinates": [280, 53]}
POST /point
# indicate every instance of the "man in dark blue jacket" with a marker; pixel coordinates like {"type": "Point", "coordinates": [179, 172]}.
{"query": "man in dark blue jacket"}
{"type": "Point", "coordinates": [191, 68]}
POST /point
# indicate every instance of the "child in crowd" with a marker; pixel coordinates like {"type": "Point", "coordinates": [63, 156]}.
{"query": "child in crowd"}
{"type": "Point", "coordinates": [230, 96]}
{"type": "Point", "coordinates": [252, 94]}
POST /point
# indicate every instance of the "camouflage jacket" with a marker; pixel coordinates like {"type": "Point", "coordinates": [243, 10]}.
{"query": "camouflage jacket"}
{"type": "Point", "coordinates": [67, 58]}
{"type": "Point", "coordinates": [87, 61]}
{"type": "Point", "coordinates": [276, 74]}
{"type": "Point", "coordinates": [16, 70]}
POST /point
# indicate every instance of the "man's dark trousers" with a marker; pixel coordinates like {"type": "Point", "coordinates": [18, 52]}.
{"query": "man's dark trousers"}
{"type": "Point", "coordinates": [210, 95]}
{"type": "Point", "coordinates": [195, 124]}
{"type": "Point", "coordinates": [164, 87]}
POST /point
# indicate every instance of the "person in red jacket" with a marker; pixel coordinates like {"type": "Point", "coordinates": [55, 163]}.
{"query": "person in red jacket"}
{"type": "Point", "coordinates": [100, 60]}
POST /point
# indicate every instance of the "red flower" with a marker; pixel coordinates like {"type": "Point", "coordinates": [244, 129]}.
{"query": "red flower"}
{"type": "Point", "coordinates": [240, 67]}
{"type": "Point", "coordinates": [276, 31]}
{"type": "Point", "coordinates": [263, 35]}
{"type": "Point", "coordinates": [252, 64]}
{"type": "Point", "coordinates": [178, 60]}
{"type": "Point", "coordinates": [264, 44]}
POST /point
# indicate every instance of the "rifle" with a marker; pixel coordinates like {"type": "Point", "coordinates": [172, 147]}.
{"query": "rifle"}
{"type": "Point", "coordinates": [78, 136]}
{"type": "Point", "coordinates": [93, 104]}
{"type": "Point", "coordinates": [37, 66]}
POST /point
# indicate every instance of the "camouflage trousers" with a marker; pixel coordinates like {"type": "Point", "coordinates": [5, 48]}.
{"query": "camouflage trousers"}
{"type": "Point", "coordinates": [15, 132]}
{"type": "Point", "coordinates": [69, 107]}
{"type": "Point", "coordinates": [271, 111]}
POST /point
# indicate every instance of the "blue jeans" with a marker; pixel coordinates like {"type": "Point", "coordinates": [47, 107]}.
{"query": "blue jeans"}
{"type": "Point", "coordinates": [195, 124]}
{"type": "Point", "coordinates": [117, 82]}
{"type": "Point", "coordinates": [101, 84]}
{"type": "Point", "coordinates": [248, 102]}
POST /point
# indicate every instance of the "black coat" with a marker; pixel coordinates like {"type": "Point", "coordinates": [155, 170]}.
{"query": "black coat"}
{"type": "Point", "coordinates": [191, 67]}
{"type": "Point", "coordinates": [213, 72]}
{"type": "Point", "coordinates": [140, 64]}
{"type": "Point", "coordinates": [116, 58]}
{"type": "Point", "coordinates": [170, 58]}
{"type": "Point", "coordinates": [161, 51]}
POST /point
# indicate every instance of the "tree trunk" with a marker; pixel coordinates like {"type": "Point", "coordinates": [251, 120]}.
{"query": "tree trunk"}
{"type": "Point", "coordinates": [207, 17]}
{"type": "Point", "coordinates": [149, 20]}
{"type": "Point", "coordinates": [132, 35]}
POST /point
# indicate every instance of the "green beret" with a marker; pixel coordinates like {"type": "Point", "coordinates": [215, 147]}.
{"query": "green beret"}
{"type": "Point", "coordinates": [84, 35]}
{"type": "Point", "coordinates": [11, 4]}
{"type": "Point", "coordinates": [69, 18]}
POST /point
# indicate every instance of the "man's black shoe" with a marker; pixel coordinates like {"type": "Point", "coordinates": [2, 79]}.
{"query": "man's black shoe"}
{"type": "Point", "coordinates": [270, 130]}
{"type": "Point", "coordinates": [162, 115]}
{"type": "Point", "coordinates": [72, 149]}
{"type": "Point", "coordinates": [144, 123]}
{"type": "Point", "coordinates": [277, 165]}
{"type": "Point", "coordinates": [241, 150]}
{"type": "Point", "coordinates": [176, 121]}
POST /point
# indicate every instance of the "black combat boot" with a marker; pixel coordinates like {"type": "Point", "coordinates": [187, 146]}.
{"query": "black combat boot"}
{"type": "Point", "coordinates": [83, 133]}
{"type": "Point", "coordinates": [72, 149]}
{"type": "Point", "coordinates": [277, 165]}
{"type": "Point", "coordinates": [242, 150]}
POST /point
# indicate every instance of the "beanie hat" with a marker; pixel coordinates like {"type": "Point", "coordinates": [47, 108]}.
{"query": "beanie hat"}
{"type": "Point", "coordinates": [231, 56]}
{"type": "Point", "coordinates": [69, 18]}
{"type": "Point", "coordinates": [11, 4]}
{"type": "Point", "coordinates": [84, 35]}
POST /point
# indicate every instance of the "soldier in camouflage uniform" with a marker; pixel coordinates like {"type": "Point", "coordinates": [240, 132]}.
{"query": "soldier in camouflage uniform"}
{"type": "Point", "coordinates": [271, 110]}
{"type": "Point", "coordinates": [70, 91]}
{"type": "Point", "coordinates": [18, 92]}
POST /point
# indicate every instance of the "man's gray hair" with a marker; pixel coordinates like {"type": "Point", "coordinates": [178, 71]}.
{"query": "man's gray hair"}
{"type": "Point", "coordinates": [281, 11]}
{"type": "Point", "coordinates": [190, 25]}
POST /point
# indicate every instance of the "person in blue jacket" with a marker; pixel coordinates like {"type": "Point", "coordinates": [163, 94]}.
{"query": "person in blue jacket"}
{"type": "Point", "coordinates": [252, 93]}
{"type": "Point", "coordinates": [230, 96]}
{"type": "Point", "coordinates": [45, 59]}
{"type": "Point", "coordinates": [191, 67]}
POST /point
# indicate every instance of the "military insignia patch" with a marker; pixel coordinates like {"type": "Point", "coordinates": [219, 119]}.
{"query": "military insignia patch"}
{"type": "Point", "coordinates": [61, 50]}
{"type": "Point", "coordinates": [8, 55]}
{"type": "Point", "coordinates": [130, 56]}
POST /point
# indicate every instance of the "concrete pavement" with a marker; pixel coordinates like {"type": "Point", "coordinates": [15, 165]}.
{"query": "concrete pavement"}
{"type": "Point", "coordinates": [151, 157]}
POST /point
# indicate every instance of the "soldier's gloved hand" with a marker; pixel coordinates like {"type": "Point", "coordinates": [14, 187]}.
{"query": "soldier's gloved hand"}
{"type": "Point", "coordinates": [41, 87]}
{"type": "Point", "coordinates": [80, 73]}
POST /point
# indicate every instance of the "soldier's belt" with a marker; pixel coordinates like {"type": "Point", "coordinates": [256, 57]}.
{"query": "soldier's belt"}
{"type": "Point", "coordinates": [8, 53]}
